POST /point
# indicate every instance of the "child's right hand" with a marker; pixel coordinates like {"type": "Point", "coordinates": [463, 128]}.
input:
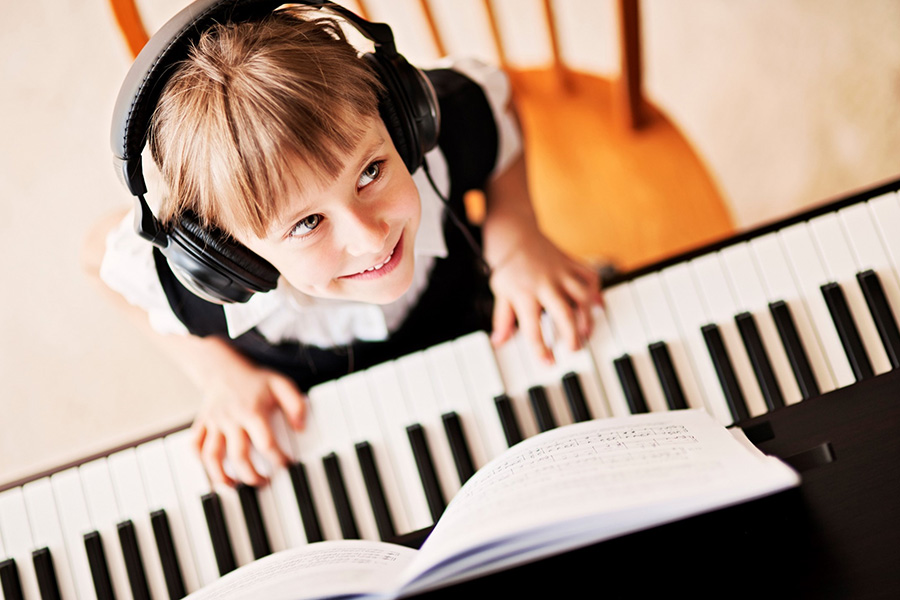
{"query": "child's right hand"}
{"type": "Point", "coordinates": [235, 417]}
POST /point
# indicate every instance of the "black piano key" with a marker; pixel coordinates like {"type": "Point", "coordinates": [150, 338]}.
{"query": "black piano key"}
{"type": "Point", "coordinates": [9, 580]}
{"type": "Point", "coordinates": [759, 358]}
{"type": "Point", "coordinates": [541, 407]}
{"type": "Point", "coordinates": [134, 564]}
{"type": "Point", "coordinates": [668, 377]}
{"type": "Point", "coordinates": [375, 489]}
{"type": "Point", "coordinates": [168, 555]}
{"type": "Point", "coordinates": [339, 496]}
{"type": "Point", "coordinates": [218, 532]}
{"type": "Point", "coordinates": [882, 314]}
{"type": "Point", "coordinates": [508, 420]}
{"type": "Point", "coordinates": [459, 447]}
{"type": "Point", "coordinates": [725, 371]}
{"type": "Point", "coordinates": [634, 395]}
{"type": "Point", "coordinates": [847, 331]}
{"type": "Point", "coordinates": [259, 539]}
{"type": "Point", "coordinates": [427, 472]}
{"type": "Point", "coordinates": [308, 513]}
{"type": "Point", "coordinates": [796, 353]}
{"type": "Point", "coordinates": [46, 574]}
{"type": "Point", "coordinates": [96, 556]}
{"type": "Point", "coordinates": [575, 397]}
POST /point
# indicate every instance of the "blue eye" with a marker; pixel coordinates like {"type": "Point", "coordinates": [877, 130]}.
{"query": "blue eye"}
{"type": "Point", "coordinates": [372, 173]}
{"type": "Point", "coordinates": [306, 225]}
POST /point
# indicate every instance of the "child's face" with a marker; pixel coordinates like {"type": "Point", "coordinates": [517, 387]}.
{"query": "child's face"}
{"type": "Point", "coordinates": [351, 238]}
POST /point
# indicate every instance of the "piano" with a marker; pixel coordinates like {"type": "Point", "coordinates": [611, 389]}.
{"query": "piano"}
{"type": "Point", "coordinates": [788, 331]}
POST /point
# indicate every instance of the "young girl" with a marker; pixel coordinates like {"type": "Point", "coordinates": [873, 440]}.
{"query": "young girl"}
{"type": "Point", "coordinates": [275, 134]}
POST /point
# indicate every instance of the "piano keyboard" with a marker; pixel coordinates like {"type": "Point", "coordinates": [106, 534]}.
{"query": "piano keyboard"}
{"type": "Point", "coordinates": [768, 319]}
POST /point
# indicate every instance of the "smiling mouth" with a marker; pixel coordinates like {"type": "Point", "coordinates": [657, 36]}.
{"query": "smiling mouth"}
{"type": "Point", "coordinates": [383, 267]}
{"type": "Point", "coordinates": [377, 267]}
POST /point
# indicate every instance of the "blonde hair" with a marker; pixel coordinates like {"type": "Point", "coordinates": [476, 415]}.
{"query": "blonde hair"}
{"type": "Point", "coordinates": [251, 100]}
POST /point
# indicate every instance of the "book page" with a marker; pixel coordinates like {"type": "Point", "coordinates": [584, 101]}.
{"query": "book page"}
{"type": "Point", "coordinates": [321, 570]}
{"type": "Point", "coordinates": [591, 481]}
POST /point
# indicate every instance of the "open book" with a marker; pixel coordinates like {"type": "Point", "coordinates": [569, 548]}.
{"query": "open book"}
{"type": "Point", "coordinates": [563, 489]}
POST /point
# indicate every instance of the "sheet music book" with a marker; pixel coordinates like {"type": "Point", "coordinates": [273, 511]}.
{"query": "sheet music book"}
{"type": "Point", "coordinates": [560, 490]}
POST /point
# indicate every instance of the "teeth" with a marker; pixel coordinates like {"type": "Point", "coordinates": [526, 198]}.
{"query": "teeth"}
{"type": "Point", "coordinates": [376, 267]}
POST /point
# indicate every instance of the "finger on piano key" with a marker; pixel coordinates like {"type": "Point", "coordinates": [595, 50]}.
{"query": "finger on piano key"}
{"type": "Point", "coordinates": [133, 506]}
{"type": "Point", "coordinates": [180, 570]}
{"type": "Point", "coordinates": [605, 350]}
{"type": "Point", "coordinates": [421, 402]}
{"type": "Point", "coordinates": [546, 394]}
{"type": "Point", "coordinates": [367, 430]}
{"type": "Point", "coordinates": [74, 522]}
{"type": "Point", "coordinates": [390, 404]}
{"type": "Point", "coordinates": [872, 256]}
{"type": "Point", "coordinates": [310, 447]}
{"type": "Point", "coordinates": [841, 265]}
{"type": "Point", "coordinates": [283, 490]}
{"type": "Point", "coordinates": [576, 370]}
{"type": "Point", "coordinates": [781, 286]}
{"type": "Point", "coordinates": [628, 328]}
{"type": "Point", "coordinates": [103, 509]}
{"type": "Point", "coordinates": [326, 401]}
{"type": "Point", "coordinates": [806, 267]}
{"type": "Point", "coordinates": [721, 309]}
{"type": "Point", "coordinates": [659, 318]}
{"type": "Point", "coordinates": [18, 544]}
{"type": "Point", "coordinates": [45, 526]}
{"type": "Point", "coordinates": [481, 375]}
{"type": "Point", "coordinates": [516, 383]}
{"type": "Point", "coordinates": [191, 485]}
{"type": "Point", "coordinates": [453, 397]}
{"type": "Point", "coordinates": [690, 318]}
{"type": "Point", "coordinates": [750, 296]}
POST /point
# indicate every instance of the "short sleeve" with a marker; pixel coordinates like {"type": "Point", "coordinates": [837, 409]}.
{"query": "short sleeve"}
{"type": "Point", "coordinates": [129, 269]}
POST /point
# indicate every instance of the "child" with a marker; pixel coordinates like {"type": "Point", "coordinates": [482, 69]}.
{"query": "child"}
{"type": "Point", "coordinates": [273, 134]}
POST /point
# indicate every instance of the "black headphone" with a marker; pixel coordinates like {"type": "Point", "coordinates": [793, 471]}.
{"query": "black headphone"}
{"type": "Point", "coordinates": [209, 262]}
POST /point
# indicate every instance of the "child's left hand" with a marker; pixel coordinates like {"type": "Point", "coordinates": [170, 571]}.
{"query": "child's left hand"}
{"type": "Point", "coordinates": [535, 277]}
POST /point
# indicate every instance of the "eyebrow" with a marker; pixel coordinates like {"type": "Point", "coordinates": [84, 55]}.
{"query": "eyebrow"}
{"type": "Point", "coordinates": [283, 226]}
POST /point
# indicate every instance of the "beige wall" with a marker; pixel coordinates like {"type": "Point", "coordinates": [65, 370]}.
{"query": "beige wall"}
{"type": "Point", "coordinates": [788, 101]}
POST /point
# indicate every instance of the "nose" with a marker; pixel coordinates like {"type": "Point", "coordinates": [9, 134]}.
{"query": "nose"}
{"type": "Point", "coordinates": [366, 231]}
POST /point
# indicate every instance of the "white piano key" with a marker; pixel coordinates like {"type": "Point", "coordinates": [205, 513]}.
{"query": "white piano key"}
{"type": "Point", "coordinates": [545, 375]}
{"type": "Point", "coordinates": [605, 350]}
{"type": "Point", "coordinates": [309, 446]}
{"type": "Point", "coordinates": [101, 502]}
{"type": "Point", "coordinates": [192, 483]}
{"type": "Point", "coordinates": [326, 401]}
{"type": "Point", "coordinates": [479, 372]}
{"type": "Point", "coordinates": [885, 210]}
{"type": "Point", "coordinates": [581, 364]}
{"type": "Point", "coordinates": [657, 312]}
{"type": "Point", "coordinates": [234, 519]}
{"type": "Point", "coordinates": [48, 533]}
{"type": "Point", "coordinates": [626, 325]}
{"type": "Point", "coordinates": [74, 522]}
{"type": "Point", "coordinates": [365, 425]}
{"type": "Point", "coordinates": [17, 539]}
{"type": "Point", "coordinates": [390, 404]}
{"type": "Point", "coordinates": [423, 405]}
{"type": "Point", "coordinates": [721, 310]}
{"type": "Point", "coordinates": [750, 296]}
{"type": "Point", "coordinates": [870, 250]}
{"type": "Point", "coordinates": [691, 317]}
{"type": "Point", "coordinates": [779, 283]}
{"type": "Point", "coordinates": [810, 276]}
{"type": "Point", "coordinates": [266, 498]}
{"type": "Point", "coordinates": [516, 381]}
{"type": "Point", "coordinates": [838, 261]}
{"type": "Point", "coordinates": [132, 500]}
{"type": "Point", "coordinates": [282, 488]}
{"type": "Point", "coordinates": [163, 495]}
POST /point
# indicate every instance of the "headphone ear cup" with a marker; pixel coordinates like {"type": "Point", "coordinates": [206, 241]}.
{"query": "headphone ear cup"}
{"type": "Point", "coordinates": [223, 269]}
{"type": "Point", "coordinates": [409, 107]}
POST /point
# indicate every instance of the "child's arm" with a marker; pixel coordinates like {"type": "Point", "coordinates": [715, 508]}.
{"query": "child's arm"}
{"type": "Point", "coordinates": [529, 274]}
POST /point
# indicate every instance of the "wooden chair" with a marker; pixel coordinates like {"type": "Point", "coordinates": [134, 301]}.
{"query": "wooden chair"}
{"type": "Point", "coordinates": [612, 178]}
